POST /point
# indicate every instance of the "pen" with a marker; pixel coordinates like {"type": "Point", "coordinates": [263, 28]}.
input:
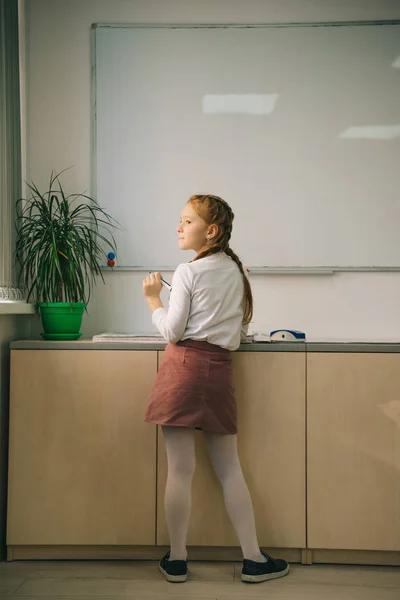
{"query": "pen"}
{"type": "Point", "coordinates": [165, 284]}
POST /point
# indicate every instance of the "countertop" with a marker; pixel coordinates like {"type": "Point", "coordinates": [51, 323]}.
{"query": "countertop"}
{"type": "Point", "coordinates": [88, 344]}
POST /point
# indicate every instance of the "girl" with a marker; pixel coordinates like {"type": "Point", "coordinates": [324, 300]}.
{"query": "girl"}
{"type": "Point", "coordinates": [210, 307]}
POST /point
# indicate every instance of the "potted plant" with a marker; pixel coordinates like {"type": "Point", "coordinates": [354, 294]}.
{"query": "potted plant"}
{"type": "Point", "coordinates": [60, 249]}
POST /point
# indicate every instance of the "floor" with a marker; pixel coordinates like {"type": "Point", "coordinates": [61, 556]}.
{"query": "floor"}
{"type": "Point", "coordinates": [140, 580]}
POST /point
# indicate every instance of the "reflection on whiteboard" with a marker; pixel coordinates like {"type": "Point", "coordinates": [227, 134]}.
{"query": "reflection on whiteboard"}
{"type": "Point", "coordinates": [376, 132]}
{"type": "Point", "coordinates": [246, 104]}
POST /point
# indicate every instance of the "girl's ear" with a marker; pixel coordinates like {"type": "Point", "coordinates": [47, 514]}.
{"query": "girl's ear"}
{"type": "Point", "coordinates": [213, 231]}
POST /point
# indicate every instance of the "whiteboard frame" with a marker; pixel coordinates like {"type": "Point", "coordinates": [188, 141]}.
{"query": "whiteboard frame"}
{"type": "Point", "coordinates": [276, 270]}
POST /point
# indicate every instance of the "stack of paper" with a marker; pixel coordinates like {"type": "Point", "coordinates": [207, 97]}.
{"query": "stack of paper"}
{"type": "Point", "coordinates": [250, 338]}
{"type": "Point", "coordinates": [262, 337]}
{"type": "Point", "coordinates": [128, 337]}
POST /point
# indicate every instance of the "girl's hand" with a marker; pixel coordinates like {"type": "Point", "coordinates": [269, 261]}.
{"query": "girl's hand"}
{"type": "Point", "coordinates": [152, 285]}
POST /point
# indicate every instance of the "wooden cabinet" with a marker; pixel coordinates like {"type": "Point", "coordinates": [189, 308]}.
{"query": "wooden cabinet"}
{"type": "Point", "coordinates": [353, 448]}
{"type": "Point", "coordinates": [270, 392]}
{"type": "Point", "coordinates": [86, 471]}
{"type": "Point", "coordinates": [82, 462]}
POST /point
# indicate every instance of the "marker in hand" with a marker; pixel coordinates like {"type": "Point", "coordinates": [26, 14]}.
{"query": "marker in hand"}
{"type": "Point", "coordinates": [165, 284]}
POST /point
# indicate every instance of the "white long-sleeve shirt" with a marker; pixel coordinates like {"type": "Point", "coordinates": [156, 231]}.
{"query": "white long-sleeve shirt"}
{"type": "Point", "coordinates": [206, 303]}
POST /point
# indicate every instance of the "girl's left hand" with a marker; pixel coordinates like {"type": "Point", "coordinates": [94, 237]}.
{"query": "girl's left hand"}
{"type": "Point", "coordinates": [152, 285]}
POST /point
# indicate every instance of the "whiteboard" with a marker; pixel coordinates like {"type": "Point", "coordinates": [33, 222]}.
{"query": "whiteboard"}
{"type": "Point", "coordinates": [297, 127]}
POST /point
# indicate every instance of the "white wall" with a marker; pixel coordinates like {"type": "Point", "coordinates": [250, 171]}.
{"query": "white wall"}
{"type": "Point", "coordinates": [345, 306]}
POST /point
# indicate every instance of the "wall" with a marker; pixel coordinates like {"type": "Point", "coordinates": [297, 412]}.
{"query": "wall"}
{"type": "Point", "coordinates": [346, 306]}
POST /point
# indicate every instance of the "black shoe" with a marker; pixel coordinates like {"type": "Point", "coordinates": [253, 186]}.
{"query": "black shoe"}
{"type": "Point", "coordinates": [174, 571]}
{"type": "Point", "coordinates": [256, 572]}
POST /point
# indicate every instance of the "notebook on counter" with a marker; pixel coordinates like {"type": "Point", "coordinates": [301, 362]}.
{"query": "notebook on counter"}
{"type": "Point", "coordinates": [128, 337]}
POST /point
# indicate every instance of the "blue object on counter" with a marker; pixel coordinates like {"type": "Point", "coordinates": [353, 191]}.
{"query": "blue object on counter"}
{"type": "Point", "coordinates": [287, 335]}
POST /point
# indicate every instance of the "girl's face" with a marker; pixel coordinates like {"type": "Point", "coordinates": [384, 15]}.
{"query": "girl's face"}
{"type": "Point", "coordinates": [193, 232]}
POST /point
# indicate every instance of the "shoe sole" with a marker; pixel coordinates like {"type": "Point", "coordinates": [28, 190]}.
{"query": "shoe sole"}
{"type": "Point", "coordinates": [264, 577]}
{"type": "Point", "coordinates": [172, 578]}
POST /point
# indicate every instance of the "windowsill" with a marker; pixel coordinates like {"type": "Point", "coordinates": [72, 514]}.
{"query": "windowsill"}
{"type": "Point", "coordinates": [16, 308]}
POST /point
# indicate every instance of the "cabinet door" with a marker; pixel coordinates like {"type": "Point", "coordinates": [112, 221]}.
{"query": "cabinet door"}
{"type": "Point", "coordinates": [353, 451]}
{"type": "Point", "coordinates": [270, 393]}
{"type": "Point", "coordinates": [82, 462]}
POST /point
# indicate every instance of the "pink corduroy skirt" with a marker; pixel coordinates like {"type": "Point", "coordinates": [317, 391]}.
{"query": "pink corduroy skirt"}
{"type": "Point", "coordinates": [194, 388]}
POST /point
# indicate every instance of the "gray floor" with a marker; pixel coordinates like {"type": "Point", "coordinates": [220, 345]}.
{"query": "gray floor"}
{"type": "Point", "coordinates": [140, 580]}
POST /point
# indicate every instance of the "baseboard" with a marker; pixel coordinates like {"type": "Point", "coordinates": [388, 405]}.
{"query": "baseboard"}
{"type": "Point", "coordinates": [137, 553]}
{"type": "Point", "coordinates": [306, 556]}
{"type": "Point", "coordinates": [356, 557]}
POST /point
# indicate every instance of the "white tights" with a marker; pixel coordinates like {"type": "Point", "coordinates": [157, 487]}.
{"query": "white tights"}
{"type": "Point", "coordinates": [179, 443]}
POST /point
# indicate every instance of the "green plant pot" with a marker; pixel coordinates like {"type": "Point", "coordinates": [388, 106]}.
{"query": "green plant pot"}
{"type": "Point", "coordinates": [61, 320]}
